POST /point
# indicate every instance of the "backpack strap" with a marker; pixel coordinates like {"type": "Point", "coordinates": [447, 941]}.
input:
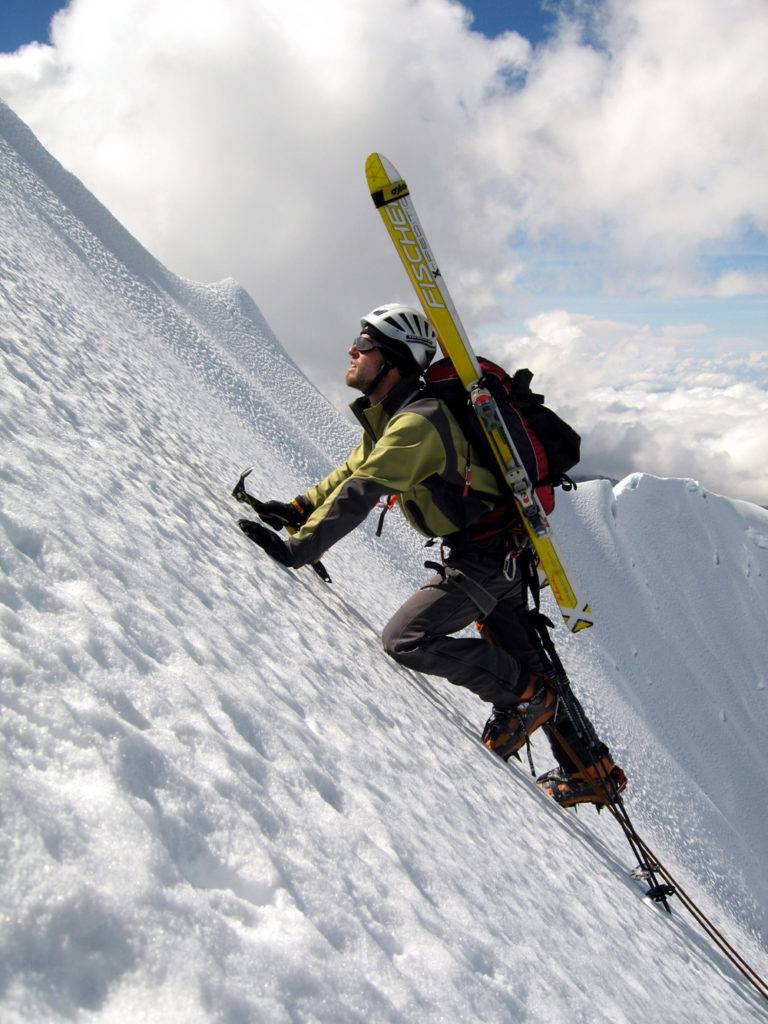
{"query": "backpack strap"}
{"type": "Point", "coordinates": [530, 578]}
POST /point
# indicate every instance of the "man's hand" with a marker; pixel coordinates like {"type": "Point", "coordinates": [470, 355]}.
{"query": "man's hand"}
{"type": "Point", "coordinates": [267, 540]}
{"type": "Point", "coordinates": [277, 514]}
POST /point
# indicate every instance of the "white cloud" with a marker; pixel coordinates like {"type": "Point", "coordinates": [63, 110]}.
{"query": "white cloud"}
{"type": "Point", "coordinates": [739, 282]}
{"type": "Point", "coordinates": [230, 135]}
{"type": "Point", "coordinates": [645, 402]}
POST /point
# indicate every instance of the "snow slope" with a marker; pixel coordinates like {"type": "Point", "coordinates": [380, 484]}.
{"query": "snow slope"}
{"type": "Point", "coordinates": [220, 801]}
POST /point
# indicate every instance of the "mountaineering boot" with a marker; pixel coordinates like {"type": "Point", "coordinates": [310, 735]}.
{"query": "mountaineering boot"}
{"type": "Point", "coordinates": [508, 728]}
{"type": "Point", "coordinates": [597, 784]}
{"type": "Point", "coordinates": [502, 723]}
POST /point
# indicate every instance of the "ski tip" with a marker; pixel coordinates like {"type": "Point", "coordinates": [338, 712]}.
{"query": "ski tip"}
{"type": "Point", "coordinates": [378, 164]}
{"type": "Point", "coordinates": [384, 180]}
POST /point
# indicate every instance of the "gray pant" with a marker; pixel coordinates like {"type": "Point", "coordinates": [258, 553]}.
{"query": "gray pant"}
{"type": "Point", "coordinates": [471, 587]}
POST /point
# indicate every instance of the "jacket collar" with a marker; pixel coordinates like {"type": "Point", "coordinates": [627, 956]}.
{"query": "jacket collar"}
{"type": "Point", "coordinates": [374, 419]}
{"type": "Point", "coordinates": [400, 395]}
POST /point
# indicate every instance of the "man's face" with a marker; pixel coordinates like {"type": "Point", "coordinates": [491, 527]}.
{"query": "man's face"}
{"type": "Point", "coordinates": [363, 367]}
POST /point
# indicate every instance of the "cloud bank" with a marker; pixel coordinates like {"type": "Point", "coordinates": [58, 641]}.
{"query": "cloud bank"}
{"type": "Point", "coordinates": [645, 400]}
{"type": "Point", "coordinates": [629, 153]}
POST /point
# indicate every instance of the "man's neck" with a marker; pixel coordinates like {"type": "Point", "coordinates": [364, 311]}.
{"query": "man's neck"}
{"type": "Point", "coordinates": [385, 385]}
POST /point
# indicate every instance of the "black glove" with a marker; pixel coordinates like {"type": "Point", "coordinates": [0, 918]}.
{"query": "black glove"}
{"type": "Point", "coordinates": [267, 540]}
{"type": "Point", "coordinates": [278, 514]}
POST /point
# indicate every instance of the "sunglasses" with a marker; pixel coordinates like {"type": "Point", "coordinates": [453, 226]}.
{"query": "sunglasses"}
{"type": "Point", "coordinates": [364, 343]}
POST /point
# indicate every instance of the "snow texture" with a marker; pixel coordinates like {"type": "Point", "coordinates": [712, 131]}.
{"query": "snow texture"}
{"type": "Point", "coordinates": [220, 801]}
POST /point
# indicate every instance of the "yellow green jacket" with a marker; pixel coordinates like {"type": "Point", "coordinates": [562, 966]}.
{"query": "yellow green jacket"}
{"type": "Point", "coordinates": [413, 447]}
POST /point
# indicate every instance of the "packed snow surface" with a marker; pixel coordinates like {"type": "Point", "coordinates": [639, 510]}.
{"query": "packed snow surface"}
{"type": "Point", "coordinates": [220, 800]}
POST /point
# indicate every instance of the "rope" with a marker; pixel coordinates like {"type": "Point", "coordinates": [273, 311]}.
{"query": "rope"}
{"type": "Point", "coordinates": [700, 917]}
{"type": "Point", "coordinates": [649, 865]}
{"type": "Point", "coordinates": [615, 805]}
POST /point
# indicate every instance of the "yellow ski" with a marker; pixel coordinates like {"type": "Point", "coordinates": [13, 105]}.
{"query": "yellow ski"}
{"type": "Point", "coordinates": [392, 199]}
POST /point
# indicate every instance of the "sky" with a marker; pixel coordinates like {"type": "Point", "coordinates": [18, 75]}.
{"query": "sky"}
{"type": "Point", "coordinates": [26, 21]}
{"type": "Point", "coordinates": [222, 802]}
{"type": "Point", "coordinates": [593, 178]}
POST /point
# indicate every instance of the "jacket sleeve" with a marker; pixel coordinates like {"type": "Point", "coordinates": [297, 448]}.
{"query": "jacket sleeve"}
{"type": "Point", "coordinates": [409, 451]}
{"type": "Point", "coordinates": [318, 494]}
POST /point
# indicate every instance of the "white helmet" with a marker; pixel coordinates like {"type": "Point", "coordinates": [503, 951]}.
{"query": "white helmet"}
{"type": "Point", "coordinates": [403, 333]}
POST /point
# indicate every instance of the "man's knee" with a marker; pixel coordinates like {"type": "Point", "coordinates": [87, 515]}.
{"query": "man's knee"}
{"type": "Point", "coordinates": [392, 640]}
{"type": "Point", "coordinates": [401, 641]}
{"type": "Point", "coordinates": [412, 628]}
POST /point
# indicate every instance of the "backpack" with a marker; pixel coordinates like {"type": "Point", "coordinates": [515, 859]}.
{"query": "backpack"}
{"type": "Point", "coordinates": [547, 445]}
